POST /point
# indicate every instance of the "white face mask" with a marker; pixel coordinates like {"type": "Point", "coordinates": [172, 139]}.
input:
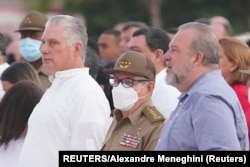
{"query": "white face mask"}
{"type": "Point", "coordinates": [124, 98]}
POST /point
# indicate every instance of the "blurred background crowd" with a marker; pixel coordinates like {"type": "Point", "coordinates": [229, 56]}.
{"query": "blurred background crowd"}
{"type": "Point", "coordinates": [100, 15]}
{"type": "Point", "coordinates": [115, 27]}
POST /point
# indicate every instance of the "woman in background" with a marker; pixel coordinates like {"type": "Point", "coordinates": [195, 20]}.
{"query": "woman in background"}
{"type": "Point", "coordinates": [235, 56]}
{"type": "Point", "coordinates": [19, 71]}
{"type": "Point", "coordinates": [15, 109]}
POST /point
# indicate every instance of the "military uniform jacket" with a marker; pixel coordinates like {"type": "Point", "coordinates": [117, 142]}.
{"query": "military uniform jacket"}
{"type": "Point", "coordinates": [139, 131]}
{"type": "Point", "coordinates": [44, 78]}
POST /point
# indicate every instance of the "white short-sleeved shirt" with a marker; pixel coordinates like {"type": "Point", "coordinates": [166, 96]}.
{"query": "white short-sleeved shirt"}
{"type": "Point", "coordinates": [73, 114]}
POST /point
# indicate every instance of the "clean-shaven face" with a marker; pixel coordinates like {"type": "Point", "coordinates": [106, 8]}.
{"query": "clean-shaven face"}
{"type": "Point", "coordinates": [56, 54]}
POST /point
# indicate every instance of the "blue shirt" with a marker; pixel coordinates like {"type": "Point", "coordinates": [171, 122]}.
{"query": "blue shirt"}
{"type": "Point", "coordinates": [208, 117]}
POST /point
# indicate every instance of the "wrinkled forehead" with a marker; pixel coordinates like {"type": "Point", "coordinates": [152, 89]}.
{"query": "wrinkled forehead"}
{"type": "Point", "coordinates": [54, 31]}
{"type": "Point", "coordinates": [183, 37]}
{"type": "Point", "coordinates": [185, 33]}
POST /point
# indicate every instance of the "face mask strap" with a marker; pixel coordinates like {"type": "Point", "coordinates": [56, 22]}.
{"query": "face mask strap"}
{"type": "Point", "coordinates": [140, 89]}
{"type": "Point", "coordinates": [143, 96]}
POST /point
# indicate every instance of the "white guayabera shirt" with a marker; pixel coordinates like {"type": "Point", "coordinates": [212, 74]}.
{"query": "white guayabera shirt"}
{"type": "Point", "coordinates": [73, 114]}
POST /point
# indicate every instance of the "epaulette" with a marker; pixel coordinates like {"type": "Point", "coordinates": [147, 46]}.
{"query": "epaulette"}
{"type": "Point", "coordinates": [153, 114]}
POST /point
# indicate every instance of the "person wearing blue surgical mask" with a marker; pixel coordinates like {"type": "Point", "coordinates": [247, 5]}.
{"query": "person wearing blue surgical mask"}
{"type": "Point", "coordinates": [30, 49]}
{"type": "Point", "coordinates": [137, 122]}
{"type": "Point", "coordinates": [31, 29]}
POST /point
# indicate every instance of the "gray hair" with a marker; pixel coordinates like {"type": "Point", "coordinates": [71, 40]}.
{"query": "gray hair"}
{"type": "Point", "coordinates": [75, 30]}
{"type": "Point", "coordinates": [204, 41]}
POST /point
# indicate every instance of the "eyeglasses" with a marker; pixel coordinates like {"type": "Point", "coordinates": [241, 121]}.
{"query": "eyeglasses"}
{"type": "Point", "coordinates": [126, 82]}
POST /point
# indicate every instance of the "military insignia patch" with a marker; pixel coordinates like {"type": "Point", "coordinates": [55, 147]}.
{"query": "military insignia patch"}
{"type": "Point", "coordinates": [124, 64]}
{"type": "Point", "coordinates": [130, 141]}
{"type": "Point", "coordinates": [153, 114]}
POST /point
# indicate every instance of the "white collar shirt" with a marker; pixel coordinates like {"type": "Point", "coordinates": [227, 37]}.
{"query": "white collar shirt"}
{"type": "Point", "coordinates": [73, 114]}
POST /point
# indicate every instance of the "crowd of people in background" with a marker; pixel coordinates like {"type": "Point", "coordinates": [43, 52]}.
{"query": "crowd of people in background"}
{"type": "Point", "coordinates": [141, 88]}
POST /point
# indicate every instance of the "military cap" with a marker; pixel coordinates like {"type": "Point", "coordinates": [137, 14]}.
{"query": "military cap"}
{"type": "Point", "coordinates": [33, 21]}
{"type": "Point", "coordinates": [135, 63]}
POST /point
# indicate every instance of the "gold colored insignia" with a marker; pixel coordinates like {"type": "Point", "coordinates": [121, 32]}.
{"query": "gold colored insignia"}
{"type": "Point", "coordinates": [28, 21]}
{"type": "Point", "coordinates": [124, 64]}
{"type": "Point", "coordinates": [153, 114]}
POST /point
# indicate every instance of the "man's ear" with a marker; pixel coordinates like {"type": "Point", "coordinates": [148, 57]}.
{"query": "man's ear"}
{"type": "Point", "coordinates": [78, 47]}
{"type": "Point", "coordinates": [198, 58]}
{"type": "Point", "coordinates": [159, 53]}
{"type": "Point", "coordinates": [151, 86]}
{"type": "Point", "coordinates": [159, 56]}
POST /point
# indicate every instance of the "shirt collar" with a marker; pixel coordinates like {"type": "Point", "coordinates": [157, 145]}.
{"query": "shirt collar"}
{"type": "Point", "coordinates": [68, 73]}
{"type": "Point", "coordinates": [203, 78]}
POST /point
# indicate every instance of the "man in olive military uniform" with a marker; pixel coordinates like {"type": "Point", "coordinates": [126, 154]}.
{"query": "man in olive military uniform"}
{"type": "Point", "coordinates": [137, 123]}
{"type": "Point", "coordinates": [31, 29]}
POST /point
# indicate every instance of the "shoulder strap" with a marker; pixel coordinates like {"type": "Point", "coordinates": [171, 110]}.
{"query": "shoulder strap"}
{"type": "Point", "coordinates": [153, 114]}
